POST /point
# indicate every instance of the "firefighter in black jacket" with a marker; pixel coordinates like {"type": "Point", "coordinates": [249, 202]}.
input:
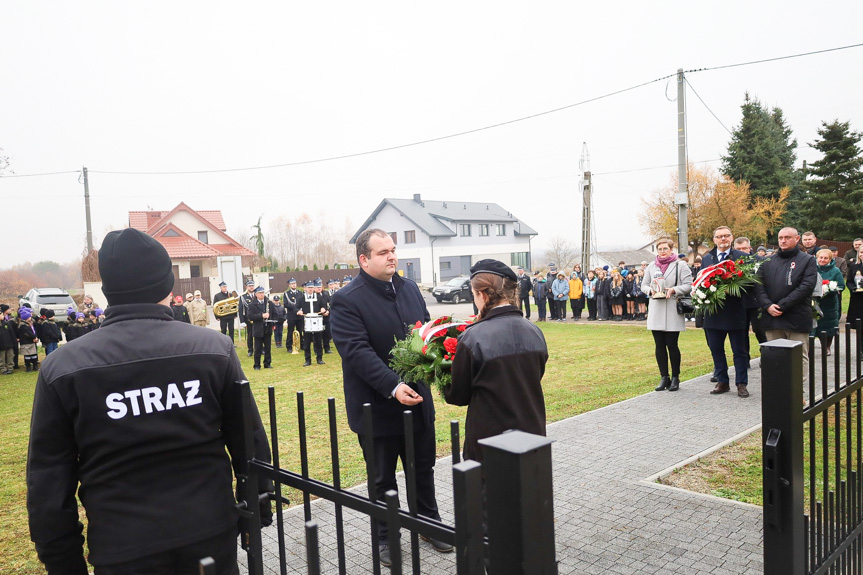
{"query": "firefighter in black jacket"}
{"type": "Point", "coordinates": [243, 308]}
{"type": "Point", "coordinates": [261, 318]}
{"type": "Point", "coordinates": [226, 322]}
{"type": "Point", "coordinates": [312, 302]}
{"type": "Point", "coordinates": [135, 418]}
{"type": "Point", "coordinates": [291, 301]}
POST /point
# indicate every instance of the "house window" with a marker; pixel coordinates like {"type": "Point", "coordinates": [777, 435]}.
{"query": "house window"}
{"type": "Point", "coordinates": [411, 237]}
{"type": "Point", "coordinates": [445, 265]}
{"type": "Point", "coordinates": [202, 237]}
{"type": "Point", "coordinates": [483, 229]}
{"type": "Point", "coordinates": [520, 259]}
{"type": "Point", "coordinates": [395, 237]}
{"type": "Point", "coordinates": [501, 229]}
{"type": "Point", "coordinates": [465, 229]}
{"type": "Point", "coordinates": [195, 271]}
{"type": "Point", "coordinates": [171, 234]}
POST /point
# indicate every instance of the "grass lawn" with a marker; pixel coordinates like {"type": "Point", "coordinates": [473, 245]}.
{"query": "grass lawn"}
{"type": "Point", "coordinates": [590, 366]}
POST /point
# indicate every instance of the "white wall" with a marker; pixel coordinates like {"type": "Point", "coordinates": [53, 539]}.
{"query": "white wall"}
{"type": "Point", "coordinates": [192, 225]}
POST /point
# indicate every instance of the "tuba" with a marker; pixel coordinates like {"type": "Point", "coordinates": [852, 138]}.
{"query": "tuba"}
{"type": "Point", "coordinates": [227, 306]}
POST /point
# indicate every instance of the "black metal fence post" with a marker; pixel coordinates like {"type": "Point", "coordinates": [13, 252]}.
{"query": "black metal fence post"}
{"type": "Point", "coordinates": [782, 421]}
{"type": "Point", "coordinates": [520, 504]}
{"type": "Point", "coordinates": [467, 499]}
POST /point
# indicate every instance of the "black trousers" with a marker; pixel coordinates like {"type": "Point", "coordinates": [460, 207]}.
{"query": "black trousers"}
{"type": "Point", "coordinates": [591, 308]}
{"type": "Point", "coordinates": [667, 348]}
{"type": "Point", "coordinates": [318, 338]}
{"type": "Point", "coordinates": [739, 348]}
{"type": "Point", "coordinates": [262, 344]}
{"type": "Point", "coordinates": [226, 326]}
{"type": "Point", "coordinates": [552, 306]}
{"type": "Point", "coordinates": [577, 305]}
{"type": "Point", "coordinates": [524, 304]}
{"type": "Point", "coordinates": [277, 333]}
{"type": "Point", "coordinates": [387, 452]}
{"type": "Point", "coordinates": [183, 560]}
{"type": "Point", "coordinates": [328, 335]}
{"type": "Point", "coordinates": [250, 341]}
{"type": "Point", "coordinates": [294, 323]}
{"type": "Point", "coordinates": [540, 307]}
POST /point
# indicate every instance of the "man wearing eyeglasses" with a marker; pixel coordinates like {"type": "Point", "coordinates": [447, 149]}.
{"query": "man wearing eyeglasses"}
{"type": "Point", "coordinates": [730, 321]}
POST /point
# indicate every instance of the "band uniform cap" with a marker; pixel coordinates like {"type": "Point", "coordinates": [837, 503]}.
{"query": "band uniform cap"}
{"type": "Point", "coordinates": [495, 267]}
{"type": "Point", "coordinates": [276, 298]}
{"type": "Point", "coordinates": [318, 283]}
{"type": "Point", "coordinates": [292, 281]}
{"type": "Point", "coordinates": [519, 268]}
{"type": "Point", "coordinates": [223, 284]}
{"type": "Point", "coordinates": [833, 249]}
{"type": "Point", "coordinates": [309, 284]}
{"type": "Point", "coordinates": [551, 265]}
{"type": "Point", "coordinates": [250, 283]}
{"type": "Point", "coordinates": [135, 268]}
{"type": "Point", "coordinates": [259, 289]}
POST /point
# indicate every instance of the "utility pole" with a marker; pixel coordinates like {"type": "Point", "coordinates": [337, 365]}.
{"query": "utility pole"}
{"type": "Point", "coordinates": [87, 212]}
{"type": "Point", "coordinates": [584, 165]}
{"type": "Point", "coordinates": [681, 198]}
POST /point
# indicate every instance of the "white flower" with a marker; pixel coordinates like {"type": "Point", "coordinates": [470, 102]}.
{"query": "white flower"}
{"type": "Point", "coordinates": [833, 286]}
{"type": "Point", "coordinates": [712, 288]}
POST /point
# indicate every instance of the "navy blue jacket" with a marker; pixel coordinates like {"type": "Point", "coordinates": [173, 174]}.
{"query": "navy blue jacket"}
{"type": "Point", "coordinates": [788, 280]}
{"type": "Point", "coordinates": [732, 315]}
{"type": "Point", "coordinates": [366, 318]}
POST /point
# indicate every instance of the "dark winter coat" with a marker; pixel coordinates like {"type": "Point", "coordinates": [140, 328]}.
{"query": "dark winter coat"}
{"type": "Point", "coordinates": [497, 372]}
{"type": "Point", "coordinates": [8, 335]}
{"type": "Point", "coordinates": [50, 332]}
{"type": "Point", "coordinates": [732, 315]}
{"type": "Point", "coordinates": [855, 300]}
{"type": "Point", "coordinates": [255, 317]}
{"type": "Point", "coordinates": [787, 280]}
{"type": "Point", "coordinates": [27, 333]}
{"type": "Point", "coordinates": [830, 302]}
{"type": "Point", "coordinates": [366, 317]}
{"type": "Point", "coordinates": [524, 286]}
{"type": "Point", "coordinates": [139, 414]}
{"type": "Point", "coordinates": [180, 313]}
{"type": "Point", "coordinates": [540, 289]}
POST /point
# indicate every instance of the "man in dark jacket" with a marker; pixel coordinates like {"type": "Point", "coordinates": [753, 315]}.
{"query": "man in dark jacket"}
{"type": "Point", "coordinates": [524, 287]}
{"type": "Point", "coordinates": [290, 300]}
{"type": "Point", "coordinates": [259, 316]}
{"type": "Point", "coordinates": [226, 322]}
{"type": "Point", "coordinates": [785, 293]}
{"type": "Point", "coordinates": [540, 293]}
{"type": "Point", "coordinates": [376, 307]}
{"type": "Point", "coordinates": [135, 418]}
{"type": "Point", "coordinates": [243, 308]}
{"type": "Point", "coordinates": [730, 321]}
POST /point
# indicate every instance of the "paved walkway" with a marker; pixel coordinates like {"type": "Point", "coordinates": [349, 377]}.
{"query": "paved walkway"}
{"type": "Point", "coordinates": [611, 515]}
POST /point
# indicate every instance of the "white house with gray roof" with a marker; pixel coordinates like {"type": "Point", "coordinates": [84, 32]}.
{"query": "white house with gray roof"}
{"type": "Point", "coordinates": [437, 241]}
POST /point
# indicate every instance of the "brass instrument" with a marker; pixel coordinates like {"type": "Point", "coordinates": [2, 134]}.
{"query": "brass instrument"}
{"type": "Point", "coordinates": [296, 342]}
{"type": "Point", "coordinates": [227, 306]}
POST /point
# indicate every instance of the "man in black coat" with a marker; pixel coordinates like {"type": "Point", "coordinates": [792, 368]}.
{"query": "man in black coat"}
{"type": "Point", "coordinates": [785, 293]}
{"type": "Point", "coordinates": [261, 318]}
{"type": "Point", "coordinates": [291, 301]}
{"type": "Point", "coordinates": [226, 322]}
{"type": "Point", "coordinates": [246, 300]}
{"type": "Point", "coordinates": [135, 419]}
{"type": "Point", "coordinates": [524, 287]}
{"type": "Point", "coordinates": [549, 279]}
{"type": "Point", "coordinates": [376, 307]}
{"type": "Point", "coordinates": [729, 321]}
{"type": "Point", "coordinates": [312, 302]}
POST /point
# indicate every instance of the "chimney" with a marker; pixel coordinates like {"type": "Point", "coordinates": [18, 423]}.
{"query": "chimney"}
{"type": "Point", "coordinates": [417, 199]}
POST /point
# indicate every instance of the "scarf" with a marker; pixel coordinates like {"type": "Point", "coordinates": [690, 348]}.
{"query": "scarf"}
{"type": "Point", "coordinates": [830, 265]}
{"type": "Point", "coordinates": [663, 263]}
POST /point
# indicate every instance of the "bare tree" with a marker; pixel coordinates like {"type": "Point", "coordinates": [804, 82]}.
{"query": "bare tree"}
{"type": "Point", "coordinates": [562, 252]}
{"type": "Point", "coordinates": [5, 163]}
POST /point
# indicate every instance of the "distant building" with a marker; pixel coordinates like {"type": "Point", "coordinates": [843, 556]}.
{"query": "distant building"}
{"type": "Point", "coordinates": [439, 240]}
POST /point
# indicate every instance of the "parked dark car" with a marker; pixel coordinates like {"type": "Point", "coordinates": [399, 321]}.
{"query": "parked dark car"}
{"type": "Point", "coordinates": [456, 290]}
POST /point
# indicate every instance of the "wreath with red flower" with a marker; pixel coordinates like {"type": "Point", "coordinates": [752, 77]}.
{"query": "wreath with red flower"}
{"type": "Point", "coordinates": [715, 283]}
{"type": "Point", "coordinates": [427, 353]}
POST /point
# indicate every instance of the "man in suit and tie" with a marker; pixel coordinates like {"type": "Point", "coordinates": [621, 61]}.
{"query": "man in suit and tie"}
{"type": "Point", "coordinates": [730, 322]}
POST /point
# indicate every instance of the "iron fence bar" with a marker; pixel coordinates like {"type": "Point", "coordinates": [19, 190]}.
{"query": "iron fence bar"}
{"type": "Point", "coordinates": [858, 323]}
{"type": "Point", "coordinates": [313, 551]}
{"type": "Point", "coordinates": [427, 527]}
{"type": "Point", "coordinates": [274, 443]}
{"type": "Point", "coordinates": [820, 533]}
{"type": "Point", "coordinates": [467, 500]}
{"type": "Point", "coordinates": [811, 363]}
{"type": "Point", "coordinates": [411, 485]}
{"type": "Point", "coordinates": [848, 352]}
{"type": "Point", "coordinates": [247, 480]}
{"type": "Point", "coordinates": [828, 561]}
{"type": "Point", "coordinates": [831, 399]}
{"type": "Point", "coordinates": [371, 474]}
{"type": "Point", "coordinates": [782, 414]}
{"type": "Point", "coordinates": [455, 441]}
{"type": "Point", "coordinates": [806, 544]}
{"type": "Point", "coordinates": [813, 454]}
{"type": "Point", "coordinates": [393, 531]}
{"type": "Point", "coordinates": [831, 504]}
{"type": "Point", "coordinates": [304, 454]}
{"type": "Point", "coordinates": [337, 484]}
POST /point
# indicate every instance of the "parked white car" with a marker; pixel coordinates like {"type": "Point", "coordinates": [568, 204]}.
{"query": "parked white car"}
{"type": "Point", "coordinates": [56, 299]}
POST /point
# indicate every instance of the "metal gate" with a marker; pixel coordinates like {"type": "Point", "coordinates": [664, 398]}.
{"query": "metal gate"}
{"type": "Point", "coordinates": [518, 491]}
{"type": "Point", "coordinates": [813, 465]}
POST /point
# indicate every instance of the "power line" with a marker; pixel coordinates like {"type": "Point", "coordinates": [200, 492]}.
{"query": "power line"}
{"type": "Point", "coordinates": [751, 62]}
{"type": "Point", "coordinates": [703, 103]}
{"type": "Point", "coordinates": [653, 168]}
{"type": "Point", "coordinates": [42, 174]}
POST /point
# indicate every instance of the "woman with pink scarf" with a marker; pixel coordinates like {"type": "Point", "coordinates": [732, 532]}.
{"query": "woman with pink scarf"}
{"type": "Point", "coordinates": [666, 279]}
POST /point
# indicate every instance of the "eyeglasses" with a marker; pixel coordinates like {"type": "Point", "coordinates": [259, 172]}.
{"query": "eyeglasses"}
{"type": "Point", "coordinates": [723, 236]}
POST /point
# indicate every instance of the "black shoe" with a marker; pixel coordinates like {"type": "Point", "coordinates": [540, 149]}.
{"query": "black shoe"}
{"type": "Point", "coordinates": [384, 551]}
{"type": "Point", "coordinates": [675, 384]}
{"type": "Point", "coordinates": [29, 369]}
{"type": "Point", "coordinates": [257, 367]}
{"type": "Point", "coordinates": [307, 364]}
{"type": "Point", "coordinates": [250, 354]}
{"type": "Point", "coordinates": [713, 379]}
{"type": "Point", "coordinates": [320, 361]}
{"type": "Point", "coordinates": [278, 345]}
{"type": "Point", "coordinates": [663, 384]}
{"type": "Point", "coordinates": [327, 351]}
{"type": "Point", "coordinates": [439, 546]}
{"type": "Point", "coordinates": [268, 367]}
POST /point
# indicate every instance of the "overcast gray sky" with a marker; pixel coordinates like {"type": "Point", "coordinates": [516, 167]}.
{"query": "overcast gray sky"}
{"type": "Point", "coordinates": [188, 86]}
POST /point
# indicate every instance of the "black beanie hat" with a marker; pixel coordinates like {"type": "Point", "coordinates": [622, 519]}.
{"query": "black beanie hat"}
{"type": "Point", "coordinates": [135, 268]}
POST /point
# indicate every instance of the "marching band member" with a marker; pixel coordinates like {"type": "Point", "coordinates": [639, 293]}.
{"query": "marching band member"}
{"type": "Point", "coordinates": [311, 302]}
{"type": "Point", "coordinates": [291, 299]}
{"type": "Point", "coordinates": [328, 299]}
{"type": "Point", "coordinates": [259, 317]}
{"type": "Point", "coordinates": [245, 301]}
{"type": "Point", "coordinates": [279, 320]}
{"type": "Point", "coordinates": [226, 323]}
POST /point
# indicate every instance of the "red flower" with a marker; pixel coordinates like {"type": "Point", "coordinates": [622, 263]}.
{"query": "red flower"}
{"type": "Point", "coordinates": [440, 320]}
{"type": "Point", "coordinates": [706, 284]}
{"type": "Point", "coordinates": [740, 274]}
{"type": "Point", "coordinates": [450, 344]}
{"type": "Point", "coordinates": [418, 325]}
{"type": "Point", "coordinates": [447, 356]}
{"type": "Point", "coordinates": [425, 349]}
{"type": "Point", "coordinates": [825, 282]}
{"type": "Point", "coordinates": [461, 327]}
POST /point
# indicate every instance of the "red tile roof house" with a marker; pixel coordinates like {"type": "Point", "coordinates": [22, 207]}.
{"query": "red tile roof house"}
{"type": "Point", "coordinates": [198, 246]}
